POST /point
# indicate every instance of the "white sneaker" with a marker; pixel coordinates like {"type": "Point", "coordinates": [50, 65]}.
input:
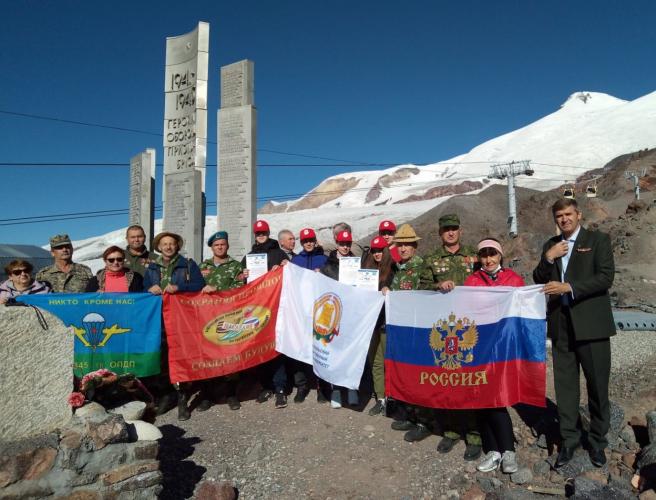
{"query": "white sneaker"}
{"type": "Point", "coordinates": [490, 462]}
{"type": "Point", "coordinates": [509, 462]}
{"type": "Point", "coordinates": [336, 400]}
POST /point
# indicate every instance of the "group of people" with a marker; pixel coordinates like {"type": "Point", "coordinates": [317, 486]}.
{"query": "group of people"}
{"type": "Point", "coordinates": [576, 268]}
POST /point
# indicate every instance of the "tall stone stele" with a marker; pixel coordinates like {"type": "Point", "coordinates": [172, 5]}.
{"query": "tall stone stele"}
{"type": "Point", "coordinates": [237, 176]}
{"type": "Point", "coordinates": [142, 192]}
{"type": "Point", "coordinates": [185, 137]}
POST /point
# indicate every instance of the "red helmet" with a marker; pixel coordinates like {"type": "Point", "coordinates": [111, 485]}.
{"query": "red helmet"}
{"type": "Point", "coordinates": [343, 237]}
{"type": "Point", "coordinates": [261, 226]}
{"type": "Point", "coordinates": [378, 243]}
{"type": "Point", "coordinates": [307, 234]}
{"type": "Point", "coordinates": [386, 225]}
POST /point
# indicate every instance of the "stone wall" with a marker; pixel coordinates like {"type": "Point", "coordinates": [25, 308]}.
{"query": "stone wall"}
{"type": "Point", "coordinates": [36, 373]}
{"type": "Point", "coordinates": [92, 457]}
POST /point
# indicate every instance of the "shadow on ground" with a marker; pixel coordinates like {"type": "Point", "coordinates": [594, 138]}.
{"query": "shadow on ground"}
{"type": "Point", "coordinates": [180, 476]}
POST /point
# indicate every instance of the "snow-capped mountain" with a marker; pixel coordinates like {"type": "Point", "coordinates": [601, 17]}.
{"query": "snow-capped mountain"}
{"type": "Point", "coordinates": [588, 130]}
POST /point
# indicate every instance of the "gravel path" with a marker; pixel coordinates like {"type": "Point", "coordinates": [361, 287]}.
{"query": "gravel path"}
{"type": "Point", "coordinates": [309, 450]}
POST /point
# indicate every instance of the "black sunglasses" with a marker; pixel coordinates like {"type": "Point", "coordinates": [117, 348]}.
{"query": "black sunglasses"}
{"type": "Point", "coordinates": [111, 260]}
{"type": "Point", "coordinates": [18, 272]}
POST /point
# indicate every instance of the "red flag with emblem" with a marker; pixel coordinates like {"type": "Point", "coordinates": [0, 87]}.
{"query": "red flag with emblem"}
{"type": "Point", "coordinates": [214, 334]}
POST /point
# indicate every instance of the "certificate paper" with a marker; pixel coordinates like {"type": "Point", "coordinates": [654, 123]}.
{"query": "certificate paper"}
{"type": "Point", "coordinates": [348, 270]}
{"type": "Point", "coordinates": [367, 279]}
{"type": "Point", "coordinates": [257, 265]}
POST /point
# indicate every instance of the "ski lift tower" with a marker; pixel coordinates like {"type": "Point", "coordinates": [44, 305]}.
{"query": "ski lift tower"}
{"type": "Point", "coordinates": [510, 171]}
{"type": "Point", "coordinates": [635, 177]}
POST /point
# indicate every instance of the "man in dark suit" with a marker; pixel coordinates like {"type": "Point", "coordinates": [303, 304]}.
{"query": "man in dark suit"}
{"type": "Point", "coordinates": [577, 269]}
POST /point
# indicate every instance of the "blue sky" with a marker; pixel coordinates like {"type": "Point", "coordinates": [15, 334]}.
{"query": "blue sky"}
{"type": "Point", "coordinates": [363, 81]}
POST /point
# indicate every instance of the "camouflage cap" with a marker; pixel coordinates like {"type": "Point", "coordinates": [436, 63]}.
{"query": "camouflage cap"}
{"type": "Point", "coordinates": [60, 240]}
{"type": "Point", "coordinates": [449, 220]}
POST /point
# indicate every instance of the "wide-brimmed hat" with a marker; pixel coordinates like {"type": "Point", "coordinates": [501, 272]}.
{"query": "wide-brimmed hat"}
{"type": "Point", "coordinates": [406, 234]}
{"type": "Point", "coordinates": [161, 235]}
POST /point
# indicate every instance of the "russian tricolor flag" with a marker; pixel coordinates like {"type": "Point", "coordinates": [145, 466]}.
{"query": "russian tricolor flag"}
{"type": "Point", "coordinates": [474, 347]}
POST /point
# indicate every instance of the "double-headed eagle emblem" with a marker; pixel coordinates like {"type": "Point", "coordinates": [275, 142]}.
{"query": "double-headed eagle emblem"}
{"type": "Point", "coordinates": [453, 341]}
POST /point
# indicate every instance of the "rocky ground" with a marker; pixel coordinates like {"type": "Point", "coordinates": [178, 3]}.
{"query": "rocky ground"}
{"type": "Point", "coordinates": [312, 451]}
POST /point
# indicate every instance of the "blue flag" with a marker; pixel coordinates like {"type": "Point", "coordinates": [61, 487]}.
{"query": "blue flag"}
{"type": "Point", "coordinates": [117, 331]}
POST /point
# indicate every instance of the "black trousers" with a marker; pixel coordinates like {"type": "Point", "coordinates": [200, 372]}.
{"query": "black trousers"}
{"type": "Point", "coordinates": [569, 356]}
{"type": "Point", "coordinates": [496, 429]}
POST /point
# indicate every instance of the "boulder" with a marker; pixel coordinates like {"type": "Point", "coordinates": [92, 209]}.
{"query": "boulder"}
{"type": "Point", "coordinates": [139, 430]}
{"type": "Point", "coordinates": [133, 410]}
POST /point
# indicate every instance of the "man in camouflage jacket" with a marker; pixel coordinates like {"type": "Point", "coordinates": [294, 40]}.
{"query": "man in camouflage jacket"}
{"type": "Point", "coordinates": [64, 276]}
{"type": "Point", "coordinates": [446, 268]}
{"type": "Point", "coordinates": [221, 272]}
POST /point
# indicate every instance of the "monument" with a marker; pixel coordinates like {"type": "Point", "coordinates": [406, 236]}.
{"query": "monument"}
{"type": "Point", "coordinates": [185, 137]}
{"type": "Point", "coordinates": [142, 192]}
{"type": "Point", "coordinates": [237, 176]}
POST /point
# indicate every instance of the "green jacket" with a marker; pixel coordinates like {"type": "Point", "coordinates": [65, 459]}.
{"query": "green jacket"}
{"type": "Point", "coordinates": [443, 265]}
{"type": "Point", "coordinates": [137, 263]}
{"type": "Point", "coordinates": [407, 275]}
{"type": "Point", "coordinates": [222, 276]}
{"type": "Point", "coordinates": [74, 281]}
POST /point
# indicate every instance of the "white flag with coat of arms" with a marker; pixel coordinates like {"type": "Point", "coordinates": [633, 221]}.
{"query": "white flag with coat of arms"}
{"type": "Point", "coordinates": [327, 324]}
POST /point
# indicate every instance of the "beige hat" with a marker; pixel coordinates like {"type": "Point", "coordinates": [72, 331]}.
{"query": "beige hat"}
{"type": "Point", "coordinates": [406, 234]}
{"type": "Point", "coordinates": [161, 235]}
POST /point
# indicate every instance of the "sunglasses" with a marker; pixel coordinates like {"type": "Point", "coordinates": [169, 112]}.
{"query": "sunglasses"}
{"type": "Point", "coordinates": [18, 272]}
{"type": "Point", "coordinates": [111, 260]}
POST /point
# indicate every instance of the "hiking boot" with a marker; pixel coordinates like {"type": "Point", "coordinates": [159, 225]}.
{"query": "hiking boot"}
{"type": "Point", "coordinates": [403, 425]}
{"type": "Point", "coordinates": [264, 395]}
{"type": "Point", "coordinates": [446, 444]}
{"type": "Point", "coordinates": [233, 403]}
{"type": "Point", "coordinates": [378, 408]}
{"type": "Point", "coordinates": [417, 434]}
{"type": "Point", "coordinates": [336, 400]}
{"type": "Point", "coordinates": [490, 462]}
{"type": "Point", "coordinates": [321, 397]}
{"type": "Point", "coordinates": [281, 400]}
{"type": "Point", "coordinates": [204, 405]}
{"type": "Point", "coordinates": [301, 393]}
{"type": "Point", "coordinates": [472, 452]}
{"type": "Point", "coordinates": [509, 462]}
{"type": "Point", "coordinates": [166, 402]}
{"type": "Point", "coordinates": [183, 409]}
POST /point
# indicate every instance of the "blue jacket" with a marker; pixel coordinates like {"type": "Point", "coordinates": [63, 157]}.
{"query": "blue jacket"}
{"type": "Point", "coordinates": [311, 261]}
{"type": "Point", "coordinates": [186, 275]}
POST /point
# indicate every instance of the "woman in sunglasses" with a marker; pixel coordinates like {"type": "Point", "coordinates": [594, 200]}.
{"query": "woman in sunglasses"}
{"type": "Point", "coordinates": [20, 281]}
{"type": "Point", "coordinates": [115, 277]}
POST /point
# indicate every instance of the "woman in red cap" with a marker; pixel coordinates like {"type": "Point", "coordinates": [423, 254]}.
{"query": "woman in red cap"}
{"type": "Point", "coordinates": [379, 258]}
{"type": "Point", "coordinates": [343, 240]}
{"type": "Point", "coordinates": [494, 423]}
{"type": "Point", "coordinates": [386, 230]}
